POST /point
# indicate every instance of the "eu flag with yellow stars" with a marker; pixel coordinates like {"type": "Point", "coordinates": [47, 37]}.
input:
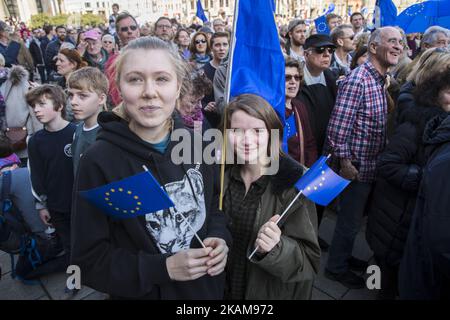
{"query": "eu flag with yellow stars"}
{"type": "Point", "coordinates": [320, 184]}
{"type": "Point", "coordinates": [133, 196]}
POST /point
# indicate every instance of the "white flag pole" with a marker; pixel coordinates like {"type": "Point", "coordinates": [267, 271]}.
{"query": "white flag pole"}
{"type": "Point", "coordinates": [184, 218]}
{"type": "Point", "coordinates": [285, 211]}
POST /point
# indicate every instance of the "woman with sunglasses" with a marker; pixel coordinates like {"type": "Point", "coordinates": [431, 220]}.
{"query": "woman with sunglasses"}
{"type": "Point", "coordinates": [301, 145]}
{"type": "Point", "coordinates": [200, 50]}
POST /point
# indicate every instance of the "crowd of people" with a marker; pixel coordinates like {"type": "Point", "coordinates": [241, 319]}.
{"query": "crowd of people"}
{"type": "Point", "coordinates": [81, 108]}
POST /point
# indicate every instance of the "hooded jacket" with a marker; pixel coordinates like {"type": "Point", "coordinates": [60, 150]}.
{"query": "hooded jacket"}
{"type": "Point", "coordinates": [127, 258]}
{"type": "Point", "coordinates": [425, 267]}
{"type": "Point", "coordinates": [287, 272]}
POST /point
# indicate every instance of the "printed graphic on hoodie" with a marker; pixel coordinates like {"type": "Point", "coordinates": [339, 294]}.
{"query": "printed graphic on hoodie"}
{"type": "Point", "coordinates": [168, 228]}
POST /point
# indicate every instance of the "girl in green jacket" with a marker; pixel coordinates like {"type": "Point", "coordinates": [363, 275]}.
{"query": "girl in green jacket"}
{"type": "Point", "coordinates": [258, 187]}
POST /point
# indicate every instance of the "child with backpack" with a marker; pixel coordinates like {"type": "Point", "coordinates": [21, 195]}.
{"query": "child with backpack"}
{"type": "Point", "coordinates": [87, 91]}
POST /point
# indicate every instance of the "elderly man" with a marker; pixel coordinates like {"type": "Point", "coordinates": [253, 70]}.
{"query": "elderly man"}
{"type": "Point", "coordinates": [356, 136]}
{"type": "Point", "coordinates": [218, 25]}
{"type": "Point", "coordinates": [95, 55]}
{"type": "Point", "coordinates": [342, 37]}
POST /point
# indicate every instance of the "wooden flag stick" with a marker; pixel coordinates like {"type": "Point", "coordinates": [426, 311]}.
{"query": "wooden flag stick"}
{"type": "Point", "coordinates": [184, 218]}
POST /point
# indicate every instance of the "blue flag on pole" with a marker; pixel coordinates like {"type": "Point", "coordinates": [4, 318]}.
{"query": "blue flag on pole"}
{"type": "Point", "coordinates": [385, 13]}
{"type": "Point", "coordinates": [201, 12]}
{"type": "Point", "coordinates": [421, 16]}
{"type": "Point", "coordinates": [133, 196]}
{"type": "Point", "coordinates": [320, 184]}
{"type": "Point", "coordinates": [321, 25]}
{"type": "Point", "coordinates": [257, 62]}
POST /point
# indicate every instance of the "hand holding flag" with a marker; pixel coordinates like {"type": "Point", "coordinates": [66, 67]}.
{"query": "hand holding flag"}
{"type": "Point", "coordinates": [319, 184]}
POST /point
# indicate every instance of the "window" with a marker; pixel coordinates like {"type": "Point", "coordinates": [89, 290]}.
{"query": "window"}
{"type": "Point", "coordinates": [227, 3]}
{"type": "Point", "coordinates": [87, 4]}
{"type": "Point", "coordinates": [221, 3]}
{"type": "Point", "coordinates": [192, 5]}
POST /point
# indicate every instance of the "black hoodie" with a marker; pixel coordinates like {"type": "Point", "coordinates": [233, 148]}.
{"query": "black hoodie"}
{"type": "Point", "coordinates": [127, 258]}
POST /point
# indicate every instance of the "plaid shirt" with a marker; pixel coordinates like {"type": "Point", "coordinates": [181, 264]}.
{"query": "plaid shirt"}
{"type": "Point", "coordinates": [357, 127]}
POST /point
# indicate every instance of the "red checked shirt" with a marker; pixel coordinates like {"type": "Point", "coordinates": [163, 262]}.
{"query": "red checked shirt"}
{"type": "Point", "coordinates": [357, 127]}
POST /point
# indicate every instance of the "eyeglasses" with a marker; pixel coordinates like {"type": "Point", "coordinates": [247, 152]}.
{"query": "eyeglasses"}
{"type": "Point", "coordinates": [125, 29]}
{"type": "Point", "coordinates": [163, 26]}
{"type": "Point", "coordinates": [289, 77]}
{"type": "Point", "coordinates": [200, 41]}
{"type": "Point", "coordinates": [351, 37]}
{"type": "Point", "coordinates": [321, 50]}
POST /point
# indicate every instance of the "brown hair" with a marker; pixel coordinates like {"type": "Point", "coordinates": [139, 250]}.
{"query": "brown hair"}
{"type": "Point", "coordinates": [427, 92]}
{"type": "Point", "coordinates": [292, 63]}
{"type": "Point", "coordinates": [259, 108]}
{"type": "Point", "coordinates": [51, 92]}
{"type": "Point", "coordinates": [192, 47]}
{"type": "Point", "coordinates": [219, 35]}
{"type": "Point", "coordinates": [74, 56]}
{"type": "Point", "coordinates": [90, 79]}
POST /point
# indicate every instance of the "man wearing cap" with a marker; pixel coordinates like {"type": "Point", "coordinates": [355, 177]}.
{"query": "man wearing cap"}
{"type": "Point", "coordinates": [218, 25]}
{"type": "Point", "coordinates": [95, 55]}
{"type": "Point", "coordinates": [356, 136]}
{"type": "Point", "coordinates": [319, 91]}
{"type": "Point", "coordinates": [8, 48]}
{"type": "Point", "coordinates": [296, 35]}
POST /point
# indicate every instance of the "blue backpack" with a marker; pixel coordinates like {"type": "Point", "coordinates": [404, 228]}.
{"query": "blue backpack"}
{"type": "Point", "coordinates": [35, 253]}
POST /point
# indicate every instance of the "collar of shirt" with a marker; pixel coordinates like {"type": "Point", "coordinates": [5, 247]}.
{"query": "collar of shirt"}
{"type": "Point", "coordinates": [374, 72]}
{"type": "Point", "coordinates": [341, 63]}
{"type": "Point", "coordinates": [296, 56]}
{"type": "Point", "coordinates": [310, 80]}
{"type": "Point", "coordinates": [236, 175]}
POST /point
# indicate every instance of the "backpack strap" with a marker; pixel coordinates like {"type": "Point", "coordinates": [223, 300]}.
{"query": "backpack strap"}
{"type": "Point", "coordinates": [5, 202]}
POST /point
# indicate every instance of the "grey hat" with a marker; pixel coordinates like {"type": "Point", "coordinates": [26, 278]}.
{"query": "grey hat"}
{"type": "Point", "coordinates": [206, 29]}
{"type": "Point", "coordinates": [294, 23]}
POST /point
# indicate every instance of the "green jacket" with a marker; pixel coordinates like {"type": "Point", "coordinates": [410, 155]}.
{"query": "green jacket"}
{"type": "Point", "coordinates": [288, 271]}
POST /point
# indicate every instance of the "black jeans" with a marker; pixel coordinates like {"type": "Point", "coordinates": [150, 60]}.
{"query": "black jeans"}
{"type": "Point", "coordinates": [61, 222]}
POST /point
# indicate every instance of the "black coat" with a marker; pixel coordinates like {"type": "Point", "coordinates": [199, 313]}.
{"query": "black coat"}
{"type": "Point", "coordinates": [399, 171]}
{"type": "Point", "coordinates": [319, 101]}
{"type": "Point", "coordinates": [425, 267]}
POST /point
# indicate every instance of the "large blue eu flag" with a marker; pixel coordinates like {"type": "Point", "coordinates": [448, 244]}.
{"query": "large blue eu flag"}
{"type": "Point", "coordinates": [133, 196]}
{"type": "Point", "coordinates": [320, 184]}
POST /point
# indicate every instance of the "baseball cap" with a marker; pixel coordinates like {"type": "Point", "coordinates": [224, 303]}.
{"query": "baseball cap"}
{"type": "Point", "coordinates": [294, 23]}
{"type": "Point", "coordinates": [318, 40]}
{"type": "Point", "coordinates": [92, 34]}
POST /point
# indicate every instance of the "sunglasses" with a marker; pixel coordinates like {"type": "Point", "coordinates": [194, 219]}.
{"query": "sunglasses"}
{"type": "Point", "coordinates": [125, 29]}
{"type": "Point", "coordinates": [321, 50]}
{"type": "Point", "coordinates": [289, 77]}
{"type": "Point", "coordinates": [200, 41]}
{"type": "Point", "coordinates": [351, 37]}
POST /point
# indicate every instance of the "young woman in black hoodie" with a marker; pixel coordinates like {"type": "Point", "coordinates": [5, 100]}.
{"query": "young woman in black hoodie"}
{"type": "Point", "coordinates": [154, 256]}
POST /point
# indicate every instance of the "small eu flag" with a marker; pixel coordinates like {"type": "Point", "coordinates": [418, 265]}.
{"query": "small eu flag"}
{"type": "Point", "coordinates": [321, 25]}
{"type": "Point", "coordinates": [133, 196]}
{"type": "Point", "coordinates": [320, 184]}
{"type": "Point", "coordinates": [290, 129]}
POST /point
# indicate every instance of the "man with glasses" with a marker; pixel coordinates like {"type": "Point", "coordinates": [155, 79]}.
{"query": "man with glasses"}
{"type": "Point", "coordinates": [318, 93]}
{"type": "Point", "coordinates": [163, 29]}
{"type": "Point", "coordinates": [127, 30]}
{"type": "Point", "coordinates": [342, 37]}
{"type": "Point", "coordinates": [356, 135]}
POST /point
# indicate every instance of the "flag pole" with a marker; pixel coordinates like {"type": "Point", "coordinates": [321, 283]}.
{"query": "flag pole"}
{"type": "Point", "coordinates": [227, 100]}
{"type": "Point", "coordinates": [182, 215]}
{"type": "Point", "coordinates": [279, 219]}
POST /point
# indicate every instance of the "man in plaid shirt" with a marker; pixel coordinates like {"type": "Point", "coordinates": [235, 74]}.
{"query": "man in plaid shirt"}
{"type": "Point", "coordinates": [356, 135]}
